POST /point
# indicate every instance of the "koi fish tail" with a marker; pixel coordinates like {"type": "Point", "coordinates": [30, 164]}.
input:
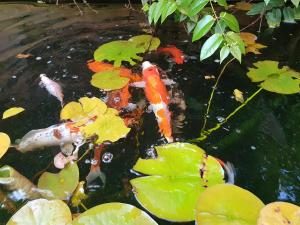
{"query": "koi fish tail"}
{"type": "Point", "coordinates": [230, 171]}
{"type": "Point", "coordinates": [94, 174]}
{"type": "Point", "coordinates": [164, 123]}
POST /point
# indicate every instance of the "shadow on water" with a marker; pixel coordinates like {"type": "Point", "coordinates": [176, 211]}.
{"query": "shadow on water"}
{"type": "Point", "coordinates": [262, 141]}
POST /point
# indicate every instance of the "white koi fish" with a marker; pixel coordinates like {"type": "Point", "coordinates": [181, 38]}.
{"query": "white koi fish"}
{"type": "Point", "coordinates": [56, 135]}
{"type": "Point", "coordinates": [52, 87]}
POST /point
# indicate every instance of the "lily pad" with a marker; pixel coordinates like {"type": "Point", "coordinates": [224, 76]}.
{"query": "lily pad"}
{"type": "Point", "coordinates": [12, 112]}
{"type": "Point", "coordinates": [109, 80]}
{"type": "Point", "coordinates": [227, 204]}
{"type": "Point", "coordinates": [178, 175]}
{"type": "Point", "coordinates": [119, 51]}
{"type": "Point", "coordinates": [42, 211]}
{"type": "Point", "coordinates": [114, 214]}
{"type": "Point", "coordinates": [60, 185]}
{"type": "Point", "coordinates": [280, 80]}
{"type": "Point", "coordinates": [4, 143]}
{"type": "Point", "coordinates": [279, 213]}
{"type": "Point", "coordinates": [147, 42]}
{"type": "Point", "coordinates": [71, 111]}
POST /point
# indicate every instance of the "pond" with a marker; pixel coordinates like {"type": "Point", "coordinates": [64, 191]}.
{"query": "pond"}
{"type": "Point", "coordinates": [262, 141]}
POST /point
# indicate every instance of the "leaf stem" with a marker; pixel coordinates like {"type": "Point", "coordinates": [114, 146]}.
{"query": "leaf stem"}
{"type": "Point", "coordinates": [83, 206]}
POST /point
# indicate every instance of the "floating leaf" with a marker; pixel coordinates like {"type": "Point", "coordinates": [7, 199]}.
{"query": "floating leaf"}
{"type": "Point", "coordinates": [227, 204]}
{"type": "Point", "coordinates": [175, 181]}
{"type": "Point", "coordinates": [245, 6]}
{"type": "Point", "coordinates": [119, 51]}
{"type": "Point", "coordinates": [12, 112]}
{"type": "Point", "coordinates": [4, 143]}
{"type": "Point", "coordinates": [250, 43]}
{"type": "Point", "coordinates": [238, 95]}
{"type": "Point", "coordinates": [109, 80]}
{"type": "Point", "coordinates": [23, 56]}
{"type": "Point", "coordinates": [279, 213]}
{"type": "Point", "coordinates": [60, 185]}
{"type": "Point", "coordinates": [147, 42]}
{"type": "Point", "coordinates": [114, 214]}
{"type": "Point", "coordinates": [42, 211]}
{"type": "Point", "coordinates": [274, 79]}
{"type": "Point", "coordinates": [71, 111]}
{"type": "Point", "coordinates": [12, 180]}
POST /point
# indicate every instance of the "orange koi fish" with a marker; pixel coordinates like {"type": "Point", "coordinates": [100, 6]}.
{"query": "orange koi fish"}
{"type": "Point", "coordinates": [157, 94]}
{"type": "Point", "coordinates": [95, 166]}
{"type": "Point", "coordinates": [175, 53]}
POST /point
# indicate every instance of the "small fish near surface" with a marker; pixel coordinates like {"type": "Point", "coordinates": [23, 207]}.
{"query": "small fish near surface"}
{"type": "Point", "coordinates": [52, 87]}
{"type": "Point", "coordinates": [157, 94]}
{"type": "Point", "coordinates": [56, 135]}
{"type": "Point", "coordinates": [176, 54]}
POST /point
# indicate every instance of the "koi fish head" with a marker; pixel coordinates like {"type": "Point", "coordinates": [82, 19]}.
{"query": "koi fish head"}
{"type": "Point", "coordinates": [149, 69]}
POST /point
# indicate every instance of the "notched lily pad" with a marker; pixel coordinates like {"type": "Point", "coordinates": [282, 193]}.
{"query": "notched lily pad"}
{"type": "Point", "coordinates": [280, 80]}
{"type": "Point", "coordinates": [175, 182]}
{"type": "Point", "coordinates": [60, 185]}
{"type": "Point", "coordinates": [114, 214]}
{"type": "Point", "coordinates": [109, 80]}
{"type": "Point", "coordinates": [119, 51]}
{"type": "Point", "coordinates": [147, 42]}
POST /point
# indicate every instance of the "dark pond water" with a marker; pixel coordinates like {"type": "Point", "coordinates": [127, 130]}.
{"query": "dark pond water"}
{"type": "Point", "coordinates": [262, 141]}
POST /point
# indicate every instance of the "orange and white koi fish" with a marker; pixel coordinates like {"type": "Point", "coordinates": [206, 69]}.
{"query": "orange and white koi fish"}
{"type": "Point", "coordinates": [56, 135]}
{"type": "Point", "coordinates": [229, 169]}
{"type": "Point", "coordinates": [52, 87]}
{"type": "Point", "coordinates": [175, 53]}
{"type": "Point", "coordinates": [95, 171]}
{"type": "Point", "coordinates": [157, 94]}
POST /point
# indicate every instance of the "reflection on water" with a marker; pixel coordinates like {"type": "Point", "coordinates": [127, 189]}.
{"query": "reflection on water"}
{"type": "Point", "coordinates": [262, 141]}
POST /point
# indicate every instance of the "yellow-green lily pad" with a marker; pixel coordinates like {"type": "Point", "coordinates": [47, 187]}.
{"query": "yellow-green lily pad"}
{"type": "Point", "coordinates": [114, 214]}
{"type": "Point", "coordinates": [145, 41]}
{"type": "Point", "coordinates": [109, 80]}
{"type": "Point", "coordinates": [12, 112]}
{"type": "Point", "coordinates": [4, 143]}
{"type": "Point", "coordinates": [227, 204]}
{"type": "Point", "coordinates": [60, 185]}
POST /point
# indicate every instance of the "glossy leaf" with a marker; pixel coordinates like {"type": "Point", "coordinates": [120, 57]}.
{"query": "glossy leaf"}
{"type": "Point", "coordinates": [4, 143]}
{"type": "Point", "coordinates": [210, 46]}
{"type": "Point", "coordinates": [274, 18]}
{"type": "Point", "coordinates": [119, 51]}
{"type": "Point", "coordinates": [236, 45]}
{"type": "Point", "coordinates": [147, 42]}
{"type": "Point", "coordinates": [60, 185]}
{"type": "Point", "coordinates": [109, 80]}
{"type": "Point", "coordinates": [256, 9]}
{"type": "Point", "coordinates": [280, 80]}
{"type": "Point", "coordinates": [114, 214]}
{"type": "Point", "coordinates": [288, 15]}
{"type": "Point", "coordinates": [12, 112]}
{"type": "Point", "coordinates": [227, 204]}
{"type": "Point", "coordinates": [196, 6]}
{"type": "Point", "coordinates": [279, 213]}
{"type": "Point", "coordinates": [174, 184]}
{"type": "Point", "coordinates": [202, 27]}
{"type": "Point", "coordinates": [168, 9]}
{"type": "Point", "coordinates": [222, 3]}
{"type": "Point", "coordinates": [224, 53]}
{"type": "Point", "coordinates": [230, 21]}
{"type": "Point", "coordinates": [42, 212]}
{"type": "Point", "coordinates": [296, 3]}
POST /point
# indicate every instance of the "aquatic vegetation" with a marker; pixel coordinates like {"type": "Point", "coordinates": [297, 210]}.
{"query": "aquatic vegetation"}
{"type": "Point", "coordinates": [4, 143]}
{"type": "Point", "coordinates": [147, 42]}
{"type": "Point", "coordinates": [109, 80]}
{"type": "Point", "coordinates": [78, 195]}
{"type": "Point", "coordinates": [238, 95]}
{"type": "Point", "coordinates": [227, 204]}
{"type": "Point", "coordinates": [250, 43]}
{"type": "Point", "coordinates": [12, 112]}
{"type": "Point", "coordinates": [42, 211]}
{"type": "Point", "coordinates": [176, 178]}
{"type": "Point", "coordinates": [60, 185]}
{"type": "Point", "coordinates": [114, 213]}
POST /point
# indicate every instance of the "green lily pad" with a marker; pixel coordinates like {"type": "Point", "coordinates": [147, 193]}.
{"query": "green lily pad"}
{"type": "Point", "coordinates": [42, 211]}
{"type": "Point", "coordinates": [280, 80]}
{"type": "Point", "coordinates": [227, 204]}
{"type": "Point", "coordinates": [178, 175]}
{"type": "Point", "coordinates": [119, 51]}
{"type": "Point", "coordinates": [114, 214]}
{"type": "Point", "coordinates": [147, 42]}
{"type": "Point", "coordinates": [109, 80]}
{"type": "Point", "coordinates": [60, 185]}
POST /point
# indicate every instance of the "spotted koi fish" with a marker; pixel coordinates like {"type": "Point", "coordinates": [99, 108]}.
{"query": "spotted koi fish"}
{"type": "Point", "coordinates": [52, 87]}
{"type": "Point", "coordinates": [157, 94]}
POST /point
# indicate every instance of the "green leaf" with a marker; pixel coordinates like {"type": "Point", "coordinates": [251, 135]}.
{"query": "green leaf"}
{"type": "Point", "coordinates": [151, 12]}
{"type": "Point", "coordinates": [274, 18]}
{"type": "Point", "coordinates": [202, 27]}
{"type": "Point", "coordinates": [220, 27]}
{"type": "Point", "coordinates": [256, 9]}
{"type": "Point", "coordinates": [210, 46]}
{"type": "Point", "coordinates": [147, 42]}
{"type": "Point", "coordinates": [196, 6]}
{"type": "Point", "coordinates": [282, 81]}
{"type": "Point", "coordinates": [230, 21]}
{"type": "Point", "coordinates": [227, 204]}
{"type": "Point", "coordinates": [174, 184]}
{"type": "Point", "coordinates": [236, 45]}
{"type": "Point", "coordinates": [60, 185]}
{"type": "Point", "coordinates": [190, 26]}
{"type": "Point", "coordinates": [157, 11]}
{"type": "Point", "coordinates": [114, 214]}
{"type": "Point", "coordinates": [119, 51]}
{"type": "Point", "coordinates": [42, 211]}
{"type": "Point", "coordinates": [109, 80]}
{"type": "Point", "coordinates": [296, 3]}
{"type": "Point", "coordinates": [288, 15]}
{"type": "Point", "coordinates": [168, 9]}
{"type": "Point", "coordinates": [222, 3]}
{"type": "Point", "coordinates": [224, 53]}
{"type": "Point", "coordinates": [297, 13]}
{"type": "Point", "coordinates": [267, 1]}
